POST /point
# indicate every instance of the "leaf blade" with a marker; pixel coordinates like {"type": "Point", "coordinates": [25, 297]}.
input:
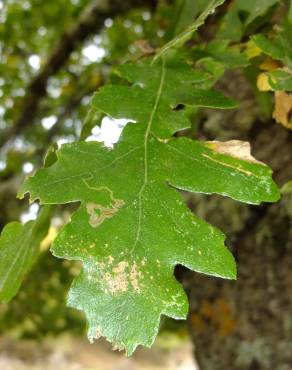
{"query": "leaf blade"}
{"type": "Point", "coordinates": [132, 189]}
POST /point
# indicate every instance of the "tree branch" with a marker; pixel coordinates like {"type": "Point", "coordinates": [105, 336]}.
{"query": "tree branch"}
{"type": "Point", "coordinates": [91, 21]}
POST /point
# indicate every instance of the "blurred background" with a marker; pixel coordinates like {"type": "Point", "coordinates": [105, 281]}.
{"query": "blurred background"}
{"type": "Point", "coordinates": [53, 56]}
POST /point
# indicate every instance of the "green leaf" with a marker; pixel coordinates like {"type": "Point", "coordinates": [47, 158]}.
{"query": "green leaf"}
{"type": "Point", "coordinates": [256, 10]}
{"type": "Point", "coordinates": [186, 34]}
{"type": "Point", "coordinates": [181, 86]}
{"type": "Point", "coordinates": [183, 14]}
{"type": "Point", "coordinates": [133, 226]}
{"type": "Point", "coordinates": [280, 80]}
{"type": "Point", "coordinates": [241, 14]}
{"type": "Point", "coordinates": [19, 247]}
{"type": "Point", "coordinates": [280, 46]}
{"type": "Point", "coordinates": [221, 52]}
{"type": "Point", "coordinates": [269, 47]}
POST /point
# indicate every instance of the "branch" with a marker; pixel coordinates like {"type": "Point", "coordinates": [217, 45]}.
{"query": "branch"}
{"type": "Point", "coordinates": [91, 21]}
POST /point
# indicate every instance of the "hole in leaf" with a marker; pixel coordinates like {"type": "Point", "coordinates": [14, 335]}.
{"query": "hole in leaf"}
{"type": "Point", "coordinates": [109, 131]}
{"type": "Point", "coordinates": [179, 107]}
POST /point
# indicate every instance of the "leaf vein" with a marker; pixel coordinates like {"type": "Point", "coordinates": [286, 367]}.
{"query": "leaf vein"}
{"type": "Point", "coordinates": [146, 137]}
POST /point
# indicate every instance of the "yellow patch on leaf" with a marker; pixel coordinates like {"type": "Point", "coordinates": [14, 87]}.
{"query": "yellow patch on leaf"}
{"type": "Point", "coordinates": [252, 50]}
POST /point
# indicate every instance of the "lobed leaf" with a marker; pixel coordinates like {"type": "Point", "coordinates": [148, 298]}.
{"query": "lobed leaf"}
{"type": "Point", "coordinates": [133, 226]}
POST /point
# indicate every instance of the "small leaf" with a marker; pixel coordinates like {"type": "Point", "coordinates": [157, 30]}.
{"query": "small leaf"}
{"type": "Point", "coordinates": [274, 49]}
{"type": "Point", "coordinates": [276, 80]}
{"type": "Point", "coordinates": [280, 80]}
{"type": "Point", "coordinates": [279, 45]}
{"type": "Point", "coordinates": [263, 82]}
{"type": "Point", "coordinates": [287, 188]}
{"type": "Point", "coordinates": [19, 247]}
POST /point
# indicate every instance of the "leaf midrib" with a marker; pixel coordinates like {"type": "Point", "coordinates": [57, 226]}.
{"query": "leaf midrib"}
{"type": "Point", "coordinates": [146, 139]}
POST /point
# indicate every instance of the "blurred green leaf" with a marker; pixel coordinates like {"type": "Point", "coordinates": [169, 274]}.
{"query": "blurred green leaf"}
{"type": "Point", "coordinates": [280, 80]}
{"type": "Point", "coordinates": [187, 34]}
{"type": "Point", "coordinates": [287, 188]}
{"type": "Point", "coordinates": [241, 14]}
{"type": "Point", "coordinates": [19, 247]}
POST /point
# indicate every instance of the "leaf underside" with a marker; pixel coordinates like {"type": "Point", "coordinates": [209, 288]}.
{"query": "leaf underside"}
{"type": "Point", "coordinates": [133, 226]}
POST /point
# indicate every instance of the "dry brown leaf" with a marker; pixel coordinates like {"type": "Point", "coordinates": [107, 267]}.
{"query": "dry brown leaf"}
{"type": "Point", "coordinates": [270, 64]}
{"type": "Point", "coordinates": [144, 46]}
{"type": "Point", "coordinates": [283, 109]}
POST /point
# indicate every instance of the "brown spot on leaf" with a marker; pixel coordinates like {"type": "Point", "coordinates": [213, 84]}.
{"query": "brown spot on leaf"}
{"type": "Point", "coordinates": [134, 275]}
{"type": "Point", "coordinates": [117, 280]}
{"type": "Point", "coordinates": [234, 148]}
{"type": "Point", "coordinates": [120, 277]}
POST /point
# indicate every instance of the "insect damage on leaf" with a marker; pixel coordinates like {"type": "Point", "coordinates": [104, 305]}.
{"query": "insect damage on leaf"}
{"type": "Point", "coordinates": [98, 212]}
{"type": "Point", "coordinates": [234, 148]}
{"type": "Point", "coordinates": [118, 278]}
{"type": "Point", "coordinates": [133, 226]}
